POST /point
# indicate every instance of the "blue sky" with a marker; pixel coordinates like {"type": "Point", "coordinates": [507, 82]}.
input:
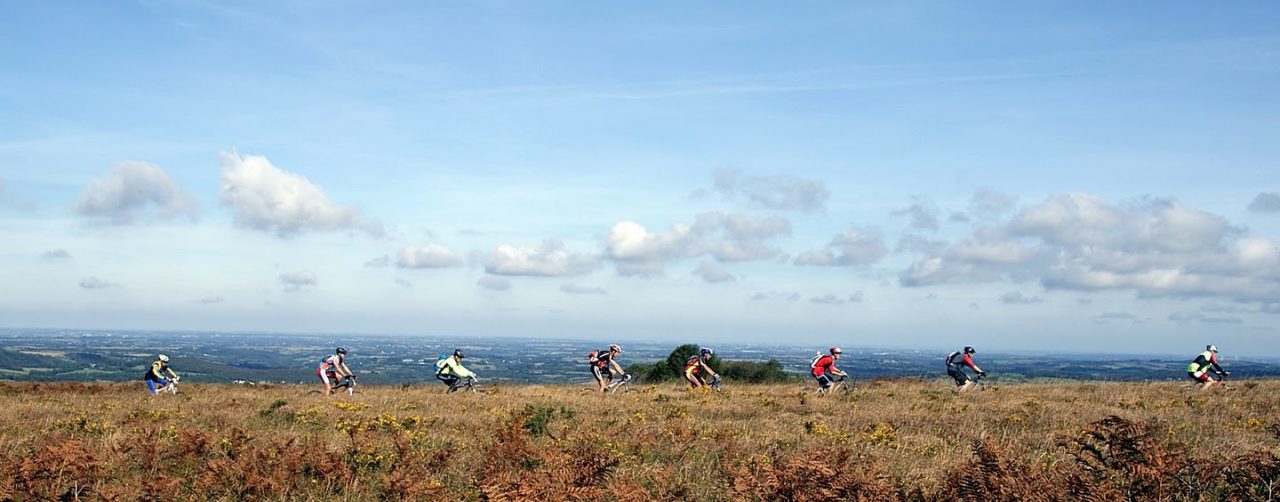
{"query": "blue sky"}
{"type": "Point", "coordinates": [1021, 176]}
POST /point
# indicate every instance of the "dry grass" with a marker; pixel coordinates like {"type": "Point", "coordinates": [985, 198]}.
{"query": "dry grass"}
{"type": "Point", "coordinates": [892, 440]}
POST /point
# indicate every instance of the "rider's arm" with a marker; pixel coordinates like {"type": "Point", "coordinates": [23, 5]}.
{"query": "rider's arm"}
{"type": "Point", "coordinates": [969, 361]}
{"type": "Point", "coordinates": [171, 373]}
{"type": "Point", "coordinates": [155, 371]}
{"type": "Point", "coordinates": [1214, 362]}
{"type": "Point", "coordinates": [708, 368]}
{"type": "Point", "coordinates": [616, 367]}
{"type": "Point", "coordinates": [836, 371]}
{"type": "Point", "coordinates": [342, 369]}
{"type": "Point", "coordinates": [461, 371]}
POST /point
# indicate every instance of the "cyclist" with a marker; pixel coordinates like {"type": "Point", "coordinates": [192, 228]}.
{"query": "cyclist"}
{"type": "Point", "coordinates": [155, 376]}
{"type": "Point", "coordinates": [451, 371]}
{"type": "Point", "coordinates": [956, 363]}
{"type": "Point", "coordinates": [824, 368]}
{"type": "Point", "coordinates": [603, 362]}
{"type": "Point", "coordinates": [1205, 363]}
{"type": "Point", "coordinates": [332, 368]}
{"type": "Point", "coordinates": [696, 365]}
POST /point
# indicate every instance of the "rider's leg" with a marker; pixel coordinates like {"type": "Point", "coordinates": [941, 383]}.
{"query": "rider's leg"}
{"type": "Point", "coordinates": [324, 378]}
{"type": "Point", "coordinates": [600, 381]}
{"type": "Point", "coordinates": [824, 383]}
{"type": "Point", "coordinates": [151, 386]}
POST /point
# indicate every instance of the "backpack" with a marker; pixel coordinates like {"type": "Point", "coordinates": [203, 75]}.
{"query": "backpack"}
{"type": "Point", "coordinates": [593, 356]}
{"type": "Point", "coordinates": [814, 362]}
{"type": "Point", "coordinates": [951, 359]}
{"type": "Point", "coordinates": [442, 364]}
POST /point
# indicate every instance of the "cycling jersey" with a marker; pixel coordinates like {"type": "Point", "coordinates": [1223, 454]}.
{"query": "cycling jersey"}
{"type": "Point", "coordinates": [452, 366]}
{"type": "Point", "coordinates": [157, 370]}
{"type": "Point", "coordinates": [330, 362]}
{"type": "Point", "coordinates": [1207, 360]}
{"type": "Point", "coordinates": [602, 359]}
{"type": "Point", "coordinates": [823, 365]}
{"type": "Point", "coordinates": [692, 365]}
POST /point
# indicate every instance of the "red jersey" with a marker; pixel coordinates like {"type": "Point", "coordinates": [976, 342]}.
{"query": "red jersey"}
{"type": "Point", "coordinates": [824, 365]}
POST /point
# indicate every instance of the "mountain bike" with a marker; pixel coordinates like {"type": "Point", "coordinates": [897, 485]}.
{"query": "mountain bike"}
{"type": "Point", "coordinates": [620, 384]}
{"type": "Point", "coordinates": [471, 384]}
{"type": "Point", "coordinates": [349, 382]}
{"type": "Point", "coordinates": [841, 386]}
{"type": "Point", "coordinates": [170, 387]}
{"type": "Point", "coordinates": [714, 384]}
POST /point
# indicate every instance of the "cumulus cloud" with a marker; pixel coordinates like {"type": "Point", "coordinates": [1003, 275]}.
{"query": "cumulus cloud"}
{"type": "Point", "coordinates": [712, 273]}
{"type": "Point", "coordinates": [129, 189]}
{"type": "Point", "coordinates": [298, 280]}
{"type": "Point", "coordinates": [989, 204]}
{"type": "Point", "coordinates": [1267, 202]}
{"type": "Point", "coordinates": [1017, 298]}
{"type": "Point", "coordinates": [1203, 318]}
{"type": "Point", "coordinates": [575, 289]}
{"type": "Point", "coordinates": [428, 256]}
{"type": "Point", "coordinates": [789, 296]}
{"type": "Point", "coordinates": [726, 237]}
{"type": "Point", "coordinates": [853, 247]}
{"type": "Point", "coordinates": [781, 193]}
{"type": "Point", "coordinates": [56, 254]}
{"type": "Point", "coordinates": [96, 283]}
{"type": "Point", "coordinates": [830, 299]}
{"type": "Point", "coordinates": [1154, 247]}
{"type": "Point", "coordinates": [550, 259]}
{"type": "Point", "coordinates": [266, 198]}
{"type": "Point", "coordinates": [923, 213]}
{"type": "Point", "coordinates": [494, 283]}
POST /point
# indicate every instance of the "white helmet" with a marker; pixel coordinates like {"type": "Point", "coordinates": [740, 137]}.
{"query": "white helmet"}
{"type": "Point", "coordinates": [163, 358]}
{"type": "Point", "coordinates": [1211, 348]}
{"type": "Point", "coordinates": [616, 348]}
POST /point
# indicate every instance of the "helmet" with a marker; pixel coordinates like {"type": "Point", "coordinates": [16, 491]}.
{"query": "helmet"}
{"type": "Point", "coordinates": [1211, 348]}
{"type": "Point", "coordinates": [836, 350]}
{"type": "Point", "coordinates": [458, 353]}
{"type": "Point", "coordinates": [615, 348]}
{"type": "Point", "coordinates": [969, 350]}
{"type": "Point", "coordinates": [341, 350]}
{"type": "Point", "coordinates": [163, 358]}
{"type": "Point", "coordinates": [706, 351]}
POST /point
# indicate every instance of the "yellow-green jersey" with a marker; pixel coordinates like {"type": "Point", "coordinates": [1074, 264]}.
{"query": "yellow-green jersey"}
{"type": "Point", "coordinates": [452, 366]}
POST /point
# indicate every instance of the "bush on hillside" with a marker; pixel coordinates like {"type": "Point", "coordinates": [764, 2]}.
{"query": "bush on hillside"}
{"type": "Point", "coordinates": [673, 368]}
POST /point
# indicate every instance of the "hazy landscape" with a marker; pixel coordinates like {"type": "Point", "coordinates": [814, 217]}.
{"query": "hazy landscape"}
{"type": "Point", "coordinates": [118, 355]}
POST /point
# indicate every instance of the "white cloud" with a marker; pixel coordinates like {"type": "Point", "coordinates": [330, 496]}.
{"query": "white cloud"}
{"type": "Point", "coordinates": [1017, 298]}
{"type": "Point", "coordinates": [830, 299]}
{"type": "Point", "coordinates": [209, 300]}
{"type": "Point", "coordinates": [550, 259]}
{"type": "Point", "coordinates": [853, 247]}
{"type": "Point", "coordinates": [1155, 247]}
{"type": "Point", "coordinates": [56, 254]}
{"type": "Point", "coordinates": [725, 237]}
{"type": "Point", "coordinates": [8, 200]}
{"type": "Point", "coordinates": [923, 213]}
{"type": "Point", "coordinates": [129, 188]}
{"type": "Point", "coordinates": [428, 256]}
{"type": "Point", "coordinates": [96, 283]}
{"type": "Point", "coordinates": [575, 289]}
{"type": "Point", "coordinates": [494, 283]}
{"type": "Point", "coordinates": [1203, 317]}
{"type": "Point", "coordinates": [1267, 202]}
{"type": "Point", "coordinates": [298, 280]}
{"type": "Point", "coordinates": [738, 237]}
{"type": "Point", "coordinates": [266, 198]}
{"type": "Point", "coordinates": [789, 296]}
{"type": "Point", "coordinates": [778, 193]}
{"type": "Point", "coordinates": [987, 204]}
{"type": "Point", "coordinates": [712, 273]}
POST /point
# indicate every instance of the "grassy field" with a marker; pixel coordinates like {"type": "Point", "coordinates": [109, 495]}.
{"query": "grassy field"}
{"type": "Point", "coordinates": [889, 440]}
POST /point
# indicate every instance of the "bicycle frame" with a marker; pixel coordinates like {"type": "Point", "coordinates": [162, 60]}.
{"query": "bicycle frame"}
{"type": "Point", "coordinates": [620, 384]}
